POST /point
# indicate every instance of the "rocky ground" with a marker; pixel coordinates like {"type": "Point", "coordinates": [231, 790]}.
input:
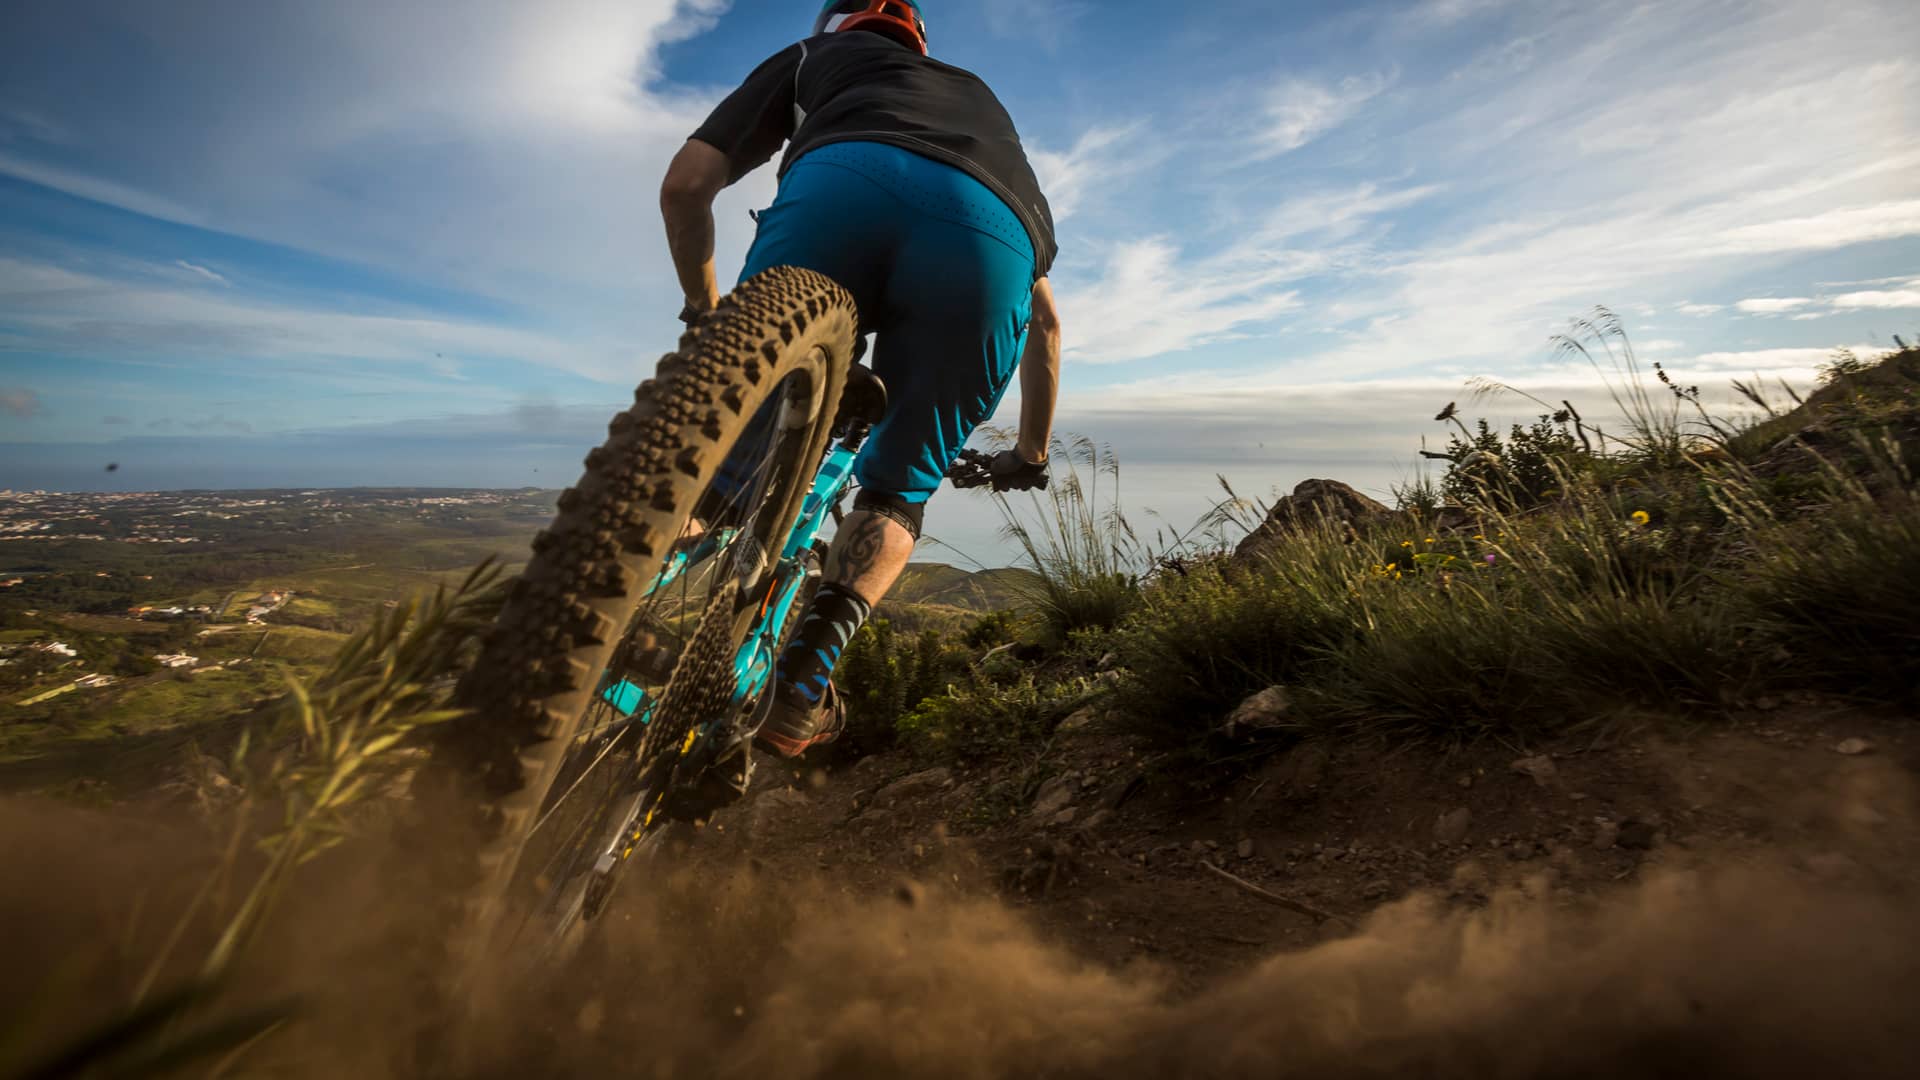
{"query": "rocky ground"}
{"type": "Point", "coordinates": [1126, 862]}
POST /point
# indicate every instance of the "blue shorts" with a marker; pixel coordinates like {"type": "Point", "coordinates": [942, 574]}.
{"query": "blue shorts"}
{"type": "Point", "coordinates": [943, 274]}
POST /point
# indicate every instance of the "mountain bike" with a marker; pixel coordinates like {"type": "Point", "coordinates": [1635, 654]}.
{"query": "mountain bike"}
{"type": "Point", "coordinates": [631, 654]}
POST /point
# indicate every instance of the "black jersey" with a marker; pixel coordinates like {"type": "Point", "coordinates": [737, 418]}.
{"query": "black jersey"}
{"type": "Point", "coordinates": [855, 85]}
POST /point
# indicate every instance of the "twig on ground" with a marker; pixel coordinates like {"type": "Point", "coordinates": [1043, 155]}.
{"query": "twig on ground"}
{"type": "Point", "coordinates": [1274, 897]}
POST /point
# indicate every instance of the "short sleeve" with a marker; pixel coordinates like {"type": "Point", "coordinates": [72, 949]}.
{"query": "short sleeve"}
{"type": "Point", "coordinates": [754, 121]}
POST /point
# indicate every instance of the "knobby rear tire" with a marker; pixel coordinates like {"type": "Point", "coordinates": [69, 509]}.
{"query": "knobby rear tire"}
{"type": "Point", "coordinates": [539, 666]}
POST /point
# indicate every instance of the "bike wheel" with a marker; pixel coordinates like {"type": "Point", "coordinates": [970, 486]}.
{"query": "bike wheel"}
{"type": "Point", "coordinates": [554, 764]}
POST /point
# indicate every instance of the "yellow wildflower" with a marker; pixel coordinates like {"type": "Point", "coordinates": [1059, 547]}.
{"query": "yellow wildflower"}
{"type": "Point", "coordinates": [1641, 517]}
{"type": "Point", "coordinates": [1429, 539]}
{"type": "Point", "coordinates": [1406, 543]}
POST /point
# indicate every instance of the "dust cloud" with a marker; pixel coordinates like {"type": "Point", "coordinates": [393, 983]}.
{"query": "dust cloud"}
{"type": "Point", "coordinates": [1729, 967]}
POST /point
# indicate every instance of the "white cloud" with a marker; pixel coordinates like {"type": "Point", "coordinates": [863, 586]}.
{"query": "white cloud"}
{"type": "Point", "coordinates": [63, 309]}
{"type": "Point", "coordinates": [1823, 231]}
{"type": "Point", "coordinates": [1808, 316]}
{"type": "Point", "coordinates": [1903, 298]}
{"type": "Point", "coordinates": [1690, 308]}
{"type": "Point", "coordinates": [492, 145]}
{"type": "Point", "coordinates": [201, 271]}
{"type": "Point", "coordinates": [1151, 297]}
{"type": "Point", "coordinates": [1770, 306]}
{"type": "Point", "coordinates": [1772, 360]}
{"type": "Point", "coordinates": [1101, 156]}
{"type": "Point", "coordinates": [1297, 112]}
{"type": "Point", "coordinates": [1146, 303]}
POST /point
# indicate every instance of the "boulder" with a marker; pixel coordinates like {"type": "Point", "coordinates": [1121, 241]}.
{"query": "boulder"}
{"type": "Point", "coordinates": [1311, 502]}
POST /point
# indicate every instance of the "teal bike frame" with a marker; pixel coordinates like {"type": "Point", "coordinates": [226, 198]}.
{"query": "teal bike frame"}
{"type": "Point", "coordinates": [753, 664]}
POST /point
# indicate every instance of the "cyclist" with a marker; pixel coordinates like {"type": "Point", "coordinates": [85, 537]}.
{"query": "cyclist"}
{"type": "Point", "coordinates": [904, 181]}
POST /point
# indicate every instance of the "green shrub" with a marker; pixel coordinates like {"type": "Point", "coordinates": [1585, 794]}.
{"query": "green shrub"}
{"type": "Point", "coordinates": [1549, 618]}
{"type": "Point", "coordinates": [1522, 471]}
{"type": "Point", "coordinates": [1840, 590]}
{"type": "Point", "coordinates": [978, 719]}
{"type": "Point", "coordinates": [883, 674]}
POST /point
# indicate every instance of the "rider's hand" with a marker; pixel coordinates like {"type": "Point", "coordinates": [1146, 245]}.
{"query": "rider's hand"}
{"type": "Point", "coordinates": [691, 313]}
{"type": "Point", "coordinates": [1011, 472]}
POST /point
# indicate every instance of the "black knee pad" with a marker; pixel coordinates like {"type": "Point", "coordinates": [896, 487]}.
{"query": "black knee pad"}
{"type": "Point", "coordinates": [908, 515]}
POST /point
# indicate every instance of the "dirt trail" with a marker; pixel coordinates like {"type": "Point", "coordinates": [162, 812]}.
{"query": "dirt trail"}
{"type": "Point", "coordinates": [1736, 903]}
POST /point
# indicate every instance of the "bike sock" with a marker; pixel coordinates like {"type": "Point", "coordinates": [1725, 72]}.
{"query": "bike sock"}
{"type": "Point", "coordinates": [832, 619]}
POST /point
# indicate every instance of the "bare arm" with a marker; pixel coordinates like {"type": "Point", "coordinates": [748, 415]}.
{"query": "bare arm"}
{"type": "Point", "coordinates": [1039, 375]}
{"type": "Point", "coordinates": [694, 178]}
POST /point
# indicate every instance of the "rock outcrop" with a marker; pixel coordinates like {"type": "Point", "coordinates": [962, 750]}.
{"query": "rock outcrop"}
{"type": "Point", "coordinates": [1311, 501]}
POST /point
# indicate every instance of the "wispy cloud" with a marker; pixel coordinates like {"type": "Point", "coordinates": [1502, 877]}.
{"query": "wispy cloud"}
{"type": "Point", "coordinates": [108, 317]}
{"type": "Point", "coordinates": [1297, 111]}
{"type": "Point", "coordinates": [1100, 157]}
{"type": "Point", "coordinates": [1697, 310]}
{"type": "Point", "coordinates": [115, 421]}
{"type": "Point", "coordinates": [201, 271]}
{"type": "Point", "coordinates": [1146, 302]}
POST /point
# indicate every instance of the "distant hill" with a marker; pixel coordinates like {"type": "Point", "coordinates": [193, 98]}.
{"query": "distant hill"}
{"type": "Point", "coordinates": [938, 584]}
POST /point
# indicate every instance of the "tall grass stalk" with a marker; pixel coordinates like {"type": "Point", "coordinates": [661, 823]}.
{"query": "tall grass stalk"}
{"type": "Point", "coordinates": [1086, 557]}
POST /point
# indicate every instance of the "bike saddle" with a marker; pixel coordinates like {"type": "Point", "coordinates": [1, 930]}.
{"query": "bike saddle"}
{"type": "Point", "coordinates": [864, 401]}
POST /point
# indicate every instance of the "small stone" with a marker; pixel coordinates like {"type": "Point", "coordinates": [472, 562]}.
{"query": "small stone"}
{"type": "Point", "coordinates": [1079, 721]}
{"type": "Point", "coordinates": [1465, 780]}
{"type": "Point", "coordinates": [917, 785]}
{"type": "Point", "coordinates": [1605, 835]}
{"type": "Point", "coordinates": [1053, 796]}
{"type": "Point", "coordinates": [1264, 711]}
{"type": "Point", "coordinates": [1064, 817]}
{"type": "Point", "coordinates": [1520, 852]}
{"type": "Point", "coordinates": [1244, 849]}
{"type": "Point", "coordinates": [1852, 747]}
{"type": "Point", "coordinates": [1540, 767]}
{"type": "Point", "coordinates": [1767, 703]}
{"type": "Point", "coordinates": [1377, 890]}
{"type": "Point", "coordinates": [1637, 835]}
{"type": "Point", "coordinates": [909, 893]}
{"type": "Point", "coordinates": [1452, 826]}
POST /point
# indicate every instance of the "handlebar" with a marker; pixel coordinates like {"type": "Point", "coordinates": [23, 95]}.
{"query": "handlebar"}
{"type": "Point", "coordinates": [975, 469]}
{"type": "Point", "coordinates": [971, 470]}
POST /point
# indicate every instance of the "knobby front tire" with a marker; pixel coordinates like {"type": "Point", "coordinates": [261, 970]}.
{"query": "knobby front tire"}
{"type": "Point", "coordinates": [783, 341]}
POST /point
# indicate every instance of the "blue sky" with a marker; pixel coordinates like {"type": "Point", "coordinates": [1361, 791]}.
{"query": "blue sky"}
{"type": "Point", "coordinates": [250, 242]}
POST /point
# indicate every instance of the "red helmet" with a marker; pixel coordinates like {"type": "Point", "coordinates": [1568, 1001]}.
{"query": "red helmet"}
{"type": "Point", "coordinates": [897, 19]}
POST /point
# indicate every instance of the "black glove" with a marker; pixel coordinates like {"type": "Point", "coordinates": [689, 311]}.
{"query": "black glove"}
{"type": "Point", "coordinates": [689, 316]}
{"type": "Point", "coordinates": [1011, 472]}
